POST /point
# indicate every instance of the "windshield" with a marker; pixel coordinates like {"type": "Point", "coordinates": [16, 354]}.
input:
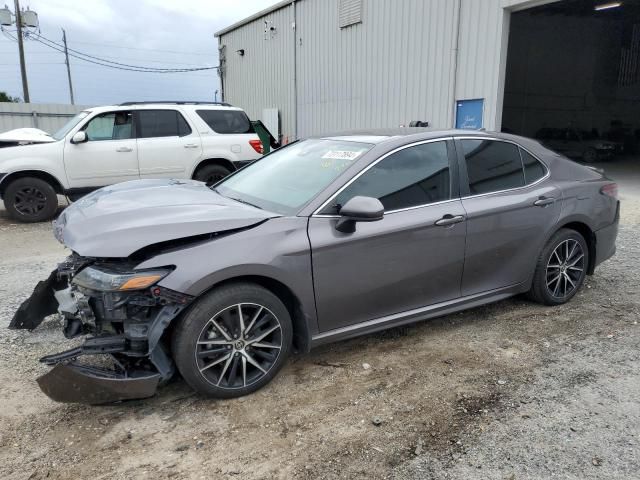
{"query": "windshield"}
{"type": "Point", "coordinates": [288, 179]}
{"type": "Point", "coordinates": [60, 134]}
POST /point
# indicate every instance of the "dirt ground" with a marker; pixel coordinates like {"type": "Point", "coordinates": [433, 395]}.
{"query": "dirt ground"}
{"type": "Point", "coordinates": [512, 390]}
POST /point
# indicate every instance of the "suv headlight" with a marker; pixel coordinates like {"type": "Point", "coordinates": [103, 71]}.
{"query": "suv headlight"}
{"type": "Point", "coordinates": [106, 280]}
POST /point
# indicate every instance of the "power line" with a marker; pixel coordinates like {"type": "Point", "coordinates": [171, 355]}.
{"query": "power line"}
{"type": "Point", "coordinates": [103, 62]}
{"type": "Point", "coordinates": [110, 63]}
{"type": "Point", "coordinates": [111, 45]}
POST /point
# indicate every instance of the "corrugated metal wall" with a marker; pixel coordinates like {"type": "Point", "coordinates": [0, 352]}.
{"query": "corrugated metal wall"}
{"type": "Point", "coordinates": [45, 116]}
{"type": "Point", "coordinates": [263, 76]}
{"type": "Point", "coordinates": [396, 66]}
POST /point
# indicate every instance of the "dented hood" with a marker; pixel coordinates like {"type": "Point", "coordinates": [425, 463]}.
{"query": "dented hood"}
{"type": "Point", "coordinates": [118, 220]}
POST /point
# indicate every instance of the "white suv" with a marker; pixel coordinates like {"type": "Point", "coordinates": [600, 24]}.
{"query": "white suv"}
{"type": "Point", "coordinates": [106, 145]}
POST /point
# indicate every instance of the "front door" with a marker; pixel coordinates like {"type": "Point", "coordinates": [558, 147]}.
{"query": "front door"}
{"type": "Point", "coordinates": [510, 206]}
{"type": "Point", "coordinates": [403, 262]}
{"type": "Point", "coordinates": [108, 156]}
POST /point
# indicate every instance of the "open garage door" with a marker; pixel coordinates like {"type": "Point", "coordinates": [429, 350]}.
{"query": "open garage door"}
{"type": "Point", "coordinates": [573, 79]}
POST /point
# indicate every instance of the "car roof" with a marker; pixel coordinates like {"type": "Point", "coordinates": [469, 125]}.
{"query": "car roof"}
{"type": "Point", "coordinates": [162, 105]}
{"type": "Point", "coordinates": [382, 135]}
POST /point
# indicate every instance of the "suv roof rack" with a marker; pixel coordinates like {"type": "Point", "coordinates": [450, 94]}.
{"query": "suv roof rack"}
{"type": "Point", "coordinates": [174, 102]}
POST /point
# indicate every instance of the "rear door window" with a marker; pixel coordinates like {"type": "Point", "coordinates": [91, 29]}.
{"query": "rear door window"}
{"type": "Point", "coordinates": [226, 121]}
{"type": "Point", "coordinates": [492, 166]}
{"type": "Point", "coordinates": [162, 123]}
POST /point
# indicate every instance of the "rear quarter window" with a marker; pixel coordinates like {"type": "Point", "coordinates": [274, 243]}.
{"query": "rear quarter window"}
{"type": "Point", "coordinates": [533, 169]}
{"type": "Point", "coordinates": [226, 121]}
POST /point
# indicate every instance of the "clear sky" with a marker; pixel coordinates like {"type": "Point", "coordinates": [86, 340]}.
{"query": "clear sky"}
{"type": "Point", "coordinates": [154, 33]}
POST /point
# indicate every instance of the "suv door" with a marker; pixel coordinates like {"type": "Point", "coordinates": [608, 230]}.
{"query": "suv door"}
{"type": "Point", "coordinates": [404, 261]}
{"type": "Point", "coordinates": [511, 208]}
{"type": "Point", "coordinates": [167, 145]}
{"type": "Point", "coordinates": [108, 156]}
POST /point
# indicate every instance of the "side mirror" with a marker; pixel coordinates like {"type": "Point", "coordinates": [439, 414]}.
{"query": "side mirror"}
{"type": "Point", "coordinates": [79, 137]}
{"type": "Point", "coordinates": [359, 209]}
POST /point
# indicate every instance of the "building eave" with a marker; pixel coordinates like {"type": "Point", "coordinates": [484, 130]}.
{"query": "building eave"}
{"type": "Point", "coordinates": [255, 16]}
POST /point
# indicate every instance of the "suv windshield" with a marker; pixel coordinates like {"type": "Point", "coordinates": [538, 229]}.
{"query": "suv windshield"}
{"type": "Point", "coordinates": [288, 179]}
{"type": "Point", "coordinates": [60, 134]}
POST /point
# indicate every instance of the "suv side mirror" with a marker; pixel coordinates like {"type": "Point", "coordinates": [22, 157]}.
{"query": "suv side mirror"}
{"type": "Point", "coordinates": [79, 137]}
{"type": "Point", "coordinates": [359, 209]}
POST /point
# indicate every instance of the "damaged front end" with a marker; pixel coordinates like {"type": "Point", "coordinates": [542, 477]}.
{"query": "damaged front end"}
{"type": "Point", "coordinates": [122, 312]}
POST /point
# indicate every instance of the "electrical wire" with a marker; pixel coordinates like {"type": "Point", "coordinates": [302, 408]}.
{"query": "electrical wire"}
{"type": "Point", "coordinates": [102, 61]}
{"type": "Point", "coordinates": [110, 63]}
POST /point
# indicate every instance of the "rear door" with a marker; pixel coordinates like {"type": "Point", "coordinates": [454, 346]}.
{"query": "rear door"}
{"type": "Point", "coordinates": [167, 145]}
{"type": "Point", "coordinates": [404, 261]}
{"type": "Point", "coordinates": [511, 207]}
{"type": "Point", "coordinates": [108, 156]}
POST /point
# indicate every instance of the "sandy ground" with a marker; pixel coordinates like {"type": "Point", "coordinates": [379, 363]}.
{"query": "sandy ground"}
{"type": "Point", "coordinates": [512, 390]}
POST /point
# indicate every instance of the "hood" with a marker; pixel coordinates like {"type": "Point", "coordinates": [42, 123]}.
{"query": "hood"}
{"type": "Point", "coordinates": [26, 135]}
{"type": "Point", "coordinates": [118, 220]}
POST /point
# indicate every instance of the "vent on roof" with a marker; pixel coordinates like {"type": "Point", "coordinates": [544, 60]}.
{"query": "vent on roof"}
{"type": "Point", "coordinates": [349, 12]}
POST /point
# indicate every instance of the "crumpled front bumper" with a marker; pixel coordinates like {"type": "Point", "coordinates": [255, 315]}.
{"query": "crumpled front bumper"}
{"type": "Point", "coordinates": [141, 361]}
{"type": "Point", "coordinates": [73, 383]}
{"type": "Point", "coordinates": [39, 305]}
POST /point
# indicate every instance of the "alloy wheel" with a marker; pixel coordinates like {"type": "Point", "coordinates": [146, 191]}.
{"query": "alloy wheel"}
{"type": "Point", "coordinates": [565, 268]}
{"type": "Point", "coordinates": [29, 201]}
{"type": "Point", "coordinates": [238, 346]}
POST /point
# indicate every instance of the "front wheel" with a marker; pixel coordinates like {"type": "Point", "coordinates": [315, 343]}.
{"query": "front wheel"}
{"type": "Point", "coordinates": [561, 268]}
{"type": "Point", "coordinates": [233, 341]}
{"type": "Point", "coordinates": [30, 199]}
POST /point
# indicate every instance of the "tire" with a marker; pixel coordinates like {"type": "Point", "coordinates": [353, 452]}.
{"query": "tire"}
{"type": "Point", "coordinates": [30, 199]}
{"type": "Point", "coordinates": [590, 155]}
{"type": "Point", "coordinates": [557, 280]}
{"type": "Point", "coordinates": [211, 174]}
{"type": "Point", "coordinates": [231, 367]}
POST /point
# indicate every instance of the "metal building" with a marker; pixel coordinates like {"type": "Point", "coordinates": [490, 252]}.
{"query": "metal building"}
{"type": "Point", "coordinates": [329, 65]}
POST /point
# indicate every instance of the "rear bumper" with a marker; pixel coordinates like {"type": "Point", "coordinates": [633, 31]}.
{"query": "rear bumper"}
{"type": "Point", "coordinates": [606, 240]}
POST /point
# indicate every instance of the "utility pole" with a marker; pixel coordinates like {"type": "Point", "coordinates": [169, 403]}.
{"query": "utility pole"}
{"type": "Point", "coordinates": [23, 68]}
{"type": "Point", "coordinates": [66, 61]}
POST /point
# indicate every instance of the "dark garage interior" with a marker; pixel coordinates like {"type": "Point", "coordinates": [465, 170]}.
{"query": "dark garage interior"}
{"type": "Point", "coordinates": [573, 80]}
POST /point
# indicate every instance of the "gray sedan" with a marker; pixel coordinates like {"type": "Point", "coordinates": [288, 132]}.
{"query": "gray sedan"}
{"type": "Point", "coordinates": [325, 239]}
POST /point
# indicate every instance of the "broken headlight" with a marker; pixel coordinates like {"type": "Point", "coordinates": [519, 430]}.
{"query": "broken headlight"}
{"type": "Point", "coordinates": [107, 280]}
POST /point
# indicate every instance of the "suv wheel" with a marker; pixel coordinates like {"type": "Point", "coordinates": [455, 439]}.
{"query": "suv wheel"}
{"type": "Point", "coordinates": [211, 174]}
{"type": "Point", "coordinates": [561, 268]}
{"type": "Point", "coordinates": [30, 199]}
{"type": "Point", "coordinates": [233, 341]}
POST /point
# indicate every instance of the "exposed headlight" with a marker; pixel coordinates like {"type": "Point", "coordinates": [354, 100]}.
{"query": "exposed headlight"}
{"type": "Point", "coordinates": [605, 146]}
{"type": "Point", "coordinates": [105, 280]}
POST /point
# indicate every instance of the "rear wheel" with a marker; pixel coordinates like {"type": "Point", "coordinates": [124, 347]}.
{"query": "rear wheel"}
{"type": "Point", "coordinates": [30, 199]}
{"type": "Point", "coordinates": [211, 174]}
{"type": "Point", "coordinates": [233, 341]}
{"type": "Point", "coordinates": [561, 268]}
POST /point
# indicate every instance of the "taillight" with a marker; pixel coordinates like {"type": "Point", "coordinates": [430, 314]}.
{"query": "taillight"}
{"type": "Point", "coordinates": [611, 190]}
{"type": "Point", "coordinates": [257, 146]}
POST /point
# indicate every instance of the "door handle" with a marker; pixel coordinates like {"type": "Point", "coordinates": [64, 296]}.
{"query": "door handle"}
{"type": "Point", "coordinates": [449, 220]}
{"type": "Point", "coordinates": [191, 145]}
{"type": "Point", "coordinates": [544, 201]}
{"type": "Point", "coordinates": [124, 149]}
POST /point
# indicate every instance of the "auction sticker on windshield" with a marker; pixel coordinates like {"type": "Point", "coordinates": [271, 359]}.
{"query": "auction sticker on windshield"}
{"type": "Point", "coordinates": [341, 155]}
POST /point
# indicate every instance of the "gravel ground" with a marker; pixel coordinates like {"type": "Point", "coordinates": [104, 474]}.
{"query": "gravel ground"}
{"type": "Point", "coordinates": [511, 390]}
